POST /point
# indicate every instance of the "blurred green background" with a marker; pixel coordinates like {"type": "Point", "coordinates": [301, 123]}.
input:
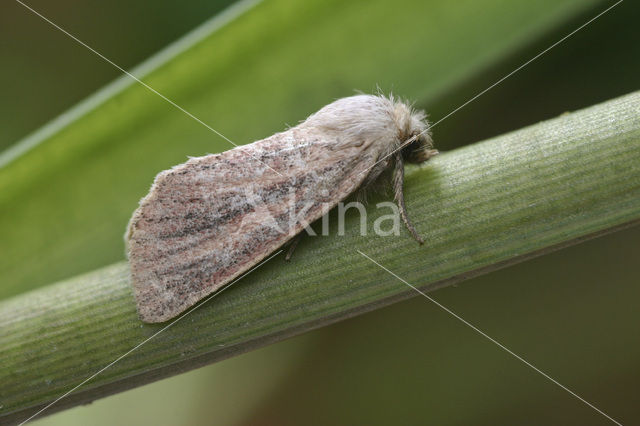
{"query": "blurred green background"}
{"type": "Point", "coordinates": [572, 313]}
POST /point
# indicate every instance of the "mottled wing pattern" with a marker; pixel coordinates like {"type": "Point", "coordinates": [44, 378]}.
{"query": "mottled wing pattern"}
{"type": "Point", "coordinates": [207, 221]}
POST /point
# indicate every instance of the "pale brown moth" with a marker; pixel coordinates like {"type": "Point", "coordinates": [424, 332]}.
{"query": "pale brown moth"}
{"type": "Point", "coordinates": [207, 221]}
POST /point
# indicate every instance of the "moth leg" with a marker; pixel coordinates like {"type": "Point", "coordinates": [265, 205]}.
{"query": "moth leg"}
{"type": "Point", "coordinates": [292, 246]}
{"type": "Point", "coordinates": [398, 181]}
{"type": "Point", "coordinates": [375, 172]}
{"type": "Point", "coordinates": [368, 185]}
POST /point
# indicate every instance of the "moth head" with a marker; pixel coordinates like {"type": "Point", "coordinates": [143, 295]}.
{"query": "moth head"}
{"type": "Point", "coordinates": [414, 134]}
{"type": "Point", "coordinates": [377, 119]}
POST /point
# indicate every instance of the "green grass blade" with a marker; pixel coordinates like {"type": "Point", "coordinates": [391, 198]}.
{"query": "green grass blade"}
{"type": "Point", "coordinates": [479, 208]}
{"type": "Point", "coordinates": [65, 202]}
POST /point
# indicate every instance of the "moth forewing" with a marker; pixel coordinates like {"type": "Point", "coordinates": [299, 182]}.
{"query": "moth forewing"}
{"type": "Point", "coordinates": [209, 220]}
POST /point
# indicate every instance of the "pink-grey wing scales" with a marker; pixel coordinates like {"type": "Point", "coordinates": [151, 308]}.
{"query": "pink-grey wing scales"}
{"type": "Point", "coordinates": [207, 221]}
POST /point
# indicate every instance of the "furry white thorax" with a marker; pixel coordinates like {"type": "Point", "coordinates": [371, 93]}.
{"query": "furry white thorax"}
{"type": "Point", "coordinates": [375, 119]}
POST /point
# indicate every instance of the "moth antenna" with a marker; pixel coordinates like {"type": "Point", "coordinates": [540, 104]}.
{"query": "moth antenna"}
{"type": "Point", "coordinates": [398, 182]}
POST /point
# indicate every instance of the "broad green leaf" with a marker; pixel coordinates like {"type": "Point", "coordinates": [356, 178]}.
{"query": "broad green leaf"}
{"type": "Point", "coordinates": [65, 203]}
{"type": "Point", "coordinates": [480, 208]}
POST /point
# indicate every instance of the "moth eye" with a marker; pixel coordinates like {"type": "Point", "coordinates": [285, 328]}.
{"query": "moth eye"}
{"type": "Point", "coordinates": [409, 149]}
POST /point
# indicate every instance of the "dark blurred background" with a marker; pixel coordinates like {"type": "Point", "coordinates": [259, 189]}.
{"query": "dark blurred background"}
{"type": "Point", "coordinates": [44, 72]}
{"type": "Point", "coordinates": [572, 313]}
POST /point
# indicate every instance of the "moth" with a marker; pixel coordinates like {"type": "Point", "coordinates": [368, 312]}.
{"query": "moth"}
{"type": "Point", "coordinates": [207, 221]}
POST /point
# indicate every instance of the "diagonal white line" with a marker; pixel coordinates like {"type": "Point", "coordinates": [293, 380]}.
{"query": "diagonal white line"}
{"type": "Point", "coordinates": [413, 138]}
{"type": "Point", "coordinates": [76, 39]}
{"type": "Point", "coordinates": [527, 63]}
{"type": "Point", "coordinates": [70, 391]}
{"type": "Point", "coordinates": [500, 345]}
{"type": "Point", "coordinates": [126, 72]}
